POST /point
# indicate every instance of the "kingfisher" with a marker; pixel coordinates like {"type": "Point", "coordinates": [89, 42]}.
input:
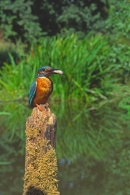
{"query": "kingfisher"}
{"type": "Point", "coordinates": [42, 87]}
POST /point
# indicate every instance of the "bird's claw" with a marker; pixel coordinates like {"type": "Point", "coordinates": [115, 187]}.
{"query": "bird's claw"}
{"type": "Point", "coordinates": [42, 107]}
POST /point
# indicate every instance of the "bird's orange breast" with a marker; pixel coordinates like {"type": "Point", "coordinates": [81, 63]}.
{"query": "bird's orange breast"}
{"type": "Point", "coordinates": [43, 90]}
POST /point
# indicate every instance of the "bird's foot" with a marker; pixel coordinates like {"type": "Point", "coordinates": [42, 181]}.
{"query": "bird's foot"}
{"type": "Point", "coordinates": [42, 107]}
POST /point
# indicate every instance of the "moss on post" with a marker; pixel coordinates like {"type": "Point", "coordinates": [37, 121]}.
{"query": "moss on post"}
{"type": "Point", "coordinates": [40, 162]}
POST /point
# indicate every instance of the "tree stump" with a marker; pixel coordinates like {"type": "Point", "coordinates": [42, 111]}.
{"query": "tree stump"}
{"type": "Point", "coordinates": [40, 162]}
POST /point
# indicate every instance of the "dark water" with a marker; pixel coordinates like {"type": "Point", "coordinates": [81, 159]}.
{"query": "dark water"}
{"type": "Point", "coordinates": [93, 150]}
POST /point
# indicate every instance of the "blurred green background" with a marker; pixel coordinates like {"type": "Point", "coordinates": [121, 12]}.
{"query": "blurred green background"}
{"type": "Point", "coordinates": [90, 42]}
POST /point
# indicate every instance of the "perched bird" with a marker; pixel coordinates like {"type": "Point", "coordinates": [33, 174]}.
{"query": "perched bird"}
{"type": "Point", "coordinates": [42, 87]}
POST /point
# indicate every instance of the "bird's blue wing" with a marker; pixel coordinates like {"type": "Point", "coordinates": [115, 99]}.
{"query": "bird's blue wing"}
{"type": "Point", "coordinates": [32, 92]}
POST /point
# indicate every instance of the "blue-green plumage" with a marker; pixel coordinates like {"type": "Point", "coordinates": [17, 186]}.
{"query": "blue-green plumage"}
{"type": "Point", "coordinates": [43, 68]}
{"type": "Point", "coordinates": [32, 92]}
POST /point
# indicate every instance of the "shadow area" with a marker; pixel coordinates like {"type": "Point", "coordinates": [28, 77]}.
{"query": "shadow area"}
{"type": "Point", "coordinates": [34, 191]}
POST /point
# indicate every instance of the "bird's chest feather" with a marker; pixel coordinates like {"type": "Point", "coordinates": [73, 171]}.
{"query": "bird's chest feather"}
{"type": "Point", "coordinates": [44, 88]}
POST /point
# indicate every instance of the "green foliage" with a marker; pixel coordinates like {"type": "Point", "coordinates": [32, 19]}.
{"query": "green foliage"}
{"type": "Point", "coordinates": [120, 57]}
{"type": "Point", "coordinates": [82, 61]}
{"type": "Point", "coordinates": [93, 70]}
{"type": "Point", "coordinates": [28, 20]}
{"type": "Point", "coordinates": [82, 16]}
{"type": "Point", "coordinates": [94, 73]}
{"type": "Point", "coordinates": [8, 48]}
{"type": "Point", "coordinates": [18, 21]}
{"type": "Point", "coordinates": [118, 22]}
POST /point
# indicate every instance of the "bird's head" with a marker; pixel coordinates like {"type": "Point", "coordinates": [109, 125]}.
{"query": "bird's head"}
{"type": "Point", "coordinates": [47, 71]}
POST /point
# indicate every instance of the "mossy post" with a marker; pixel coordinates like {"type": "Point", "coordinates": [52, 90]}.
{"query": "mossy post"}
{"type": "Point", "coordinates": [40, 162]}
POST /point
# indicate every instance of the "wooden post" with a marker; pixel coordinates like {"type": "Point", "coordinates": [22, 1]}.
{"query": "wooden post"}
{"type": "Point", "coordinates": [40, 161]}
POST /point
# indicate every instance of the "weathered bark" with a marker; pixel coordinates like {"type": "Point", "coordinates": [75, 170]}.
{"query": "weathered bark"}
{"type": "Point", "coordinates": [40, 162]}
